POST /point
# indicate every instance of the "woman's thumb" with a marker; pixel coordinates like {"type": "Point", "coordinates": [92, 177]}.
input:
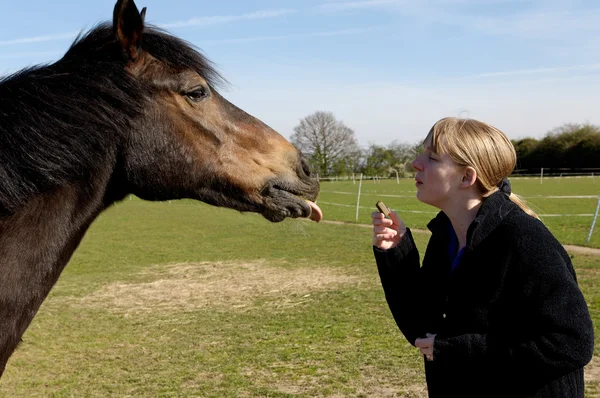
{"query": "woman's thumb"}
{"type": "Point", "coordinates": [397, 220]}
{"type": "Point", "coordinates": [395, 217]}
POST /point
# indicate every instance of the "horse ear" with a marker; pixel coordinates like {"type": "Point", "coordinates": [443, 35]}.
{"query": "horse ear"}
{"type": "Point", "coordinates": [128, 26]}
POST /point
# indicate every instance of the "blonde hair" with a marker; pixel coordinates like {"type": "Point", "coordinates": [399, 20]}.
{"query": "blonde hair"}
{"type": "Point", "coordinates": [481, 146]}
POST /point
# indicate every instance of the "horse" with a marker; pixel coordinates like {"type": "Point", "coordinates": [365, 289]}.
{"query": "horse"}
{"type": "Point", "coordinates": [129, 109]}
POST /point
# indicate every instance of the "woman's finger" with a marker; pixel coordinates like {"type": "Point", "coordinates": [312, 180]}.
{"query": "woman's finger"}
{"type": "Point", "coordinates": [382, 229]}
{"type": "Point", "coordinates": [382, 221]}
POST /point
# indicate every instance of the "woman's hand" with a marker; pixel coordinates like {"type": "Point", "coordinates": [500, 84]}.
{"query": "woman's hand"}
{"type": "Point", "coordinates": [387, 232]}
{"type": "Point", "coordinates": [425, 345]}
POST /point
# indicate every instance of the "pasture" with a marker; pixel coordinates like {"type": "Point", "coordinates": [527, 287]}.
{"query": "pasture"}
{"type": "Point", "coordinates": [185, 299]}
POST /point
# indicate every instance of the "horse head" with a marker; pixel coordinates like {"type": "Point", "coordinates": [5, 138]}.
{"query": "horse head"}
{"type": "Point", "coordinates": [190, 142]}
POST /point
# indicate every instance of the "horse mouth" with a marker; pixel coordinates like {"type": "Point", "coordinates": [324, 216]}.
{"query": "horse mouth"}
{"type": "Point", "coordinates": [283, 201]}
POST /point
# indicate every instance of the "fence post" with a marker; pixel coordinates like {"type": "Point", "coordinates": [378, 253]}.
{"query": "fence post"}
{"type": "Point", "coordinates": [542, 176]}
{"type": "Point", "coordinates": [358, 198]}
{"type": "Point", "coordinates": [594, 222]}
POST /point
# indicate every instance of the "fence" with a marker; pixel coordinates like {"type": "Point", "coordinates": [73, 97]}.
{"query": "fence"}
{"type": "Point", "coordinates": [360, 179]}
{"type": "Point", "coordinates": [540, 173]}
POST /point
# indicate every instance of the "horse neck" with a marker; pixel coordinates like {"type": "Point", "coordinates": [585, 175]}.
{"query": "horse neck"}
{"type": "Point", "coordinates": [36, 242]}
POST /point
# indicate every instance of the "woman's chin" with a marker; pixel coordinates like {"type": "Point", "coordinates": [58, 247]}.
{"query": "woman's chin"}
{"type": "Point", "coordinates": [423, 199]}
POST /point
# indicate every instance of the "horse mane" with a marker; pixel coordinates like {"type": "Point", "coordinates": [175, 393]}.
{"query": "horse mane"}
{"type": "Point", "coordinates": [59, 121]}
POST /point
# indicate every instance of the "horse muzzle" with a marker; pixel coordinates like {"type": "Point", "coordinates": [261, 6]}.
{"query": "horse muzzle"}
{"type": "Point", "coordinates": [291, 200]}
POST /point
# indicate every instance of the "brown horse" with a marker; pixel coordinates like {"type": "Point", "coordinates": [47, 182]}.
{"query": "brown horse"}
{"type": "Point", "coordinates": [129, 109]}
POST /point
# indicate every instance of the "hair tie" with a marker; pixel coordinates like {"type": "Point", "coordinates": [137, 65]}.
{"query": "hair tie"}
{"type": "Point", "coordinates": [505, 186]}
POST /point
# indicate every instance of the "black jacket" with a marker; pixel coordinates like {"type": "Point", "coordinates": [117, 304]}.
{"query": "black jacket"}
{"type": "Point", "coordinates": [510, 319]}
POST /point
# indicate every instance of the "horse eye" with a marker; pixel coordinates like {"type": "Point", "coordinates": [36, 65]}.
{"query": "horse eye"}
{"type": "Point", "coordinates": [197, 94]}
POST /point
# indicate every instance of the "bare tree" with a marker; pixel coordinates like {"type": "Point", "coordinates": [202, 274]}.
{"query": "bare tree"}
{"type": "Point", "coordinates": [324, 140]}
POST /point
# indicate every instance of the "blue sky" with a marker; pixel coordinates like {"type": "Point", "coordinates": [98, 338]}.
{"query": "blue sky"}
{"type": "Point", "coordinates": [387, 68]}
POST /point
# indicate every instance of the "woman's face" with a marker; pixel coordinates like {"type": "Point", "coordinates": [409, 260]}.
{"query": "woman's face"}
{"type": "Point", "coordinates": [438, 177]}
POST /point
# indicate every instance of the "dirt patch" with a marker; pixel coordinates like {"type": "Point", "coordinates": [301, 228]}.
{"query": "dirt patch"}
{"type": "Point", "coordinates": [375, 384]}
{"type": "Point", "coordinates": [290, 378]}
{"type": "Point", "coordinates": [592, 371]}
{"type": "Point", "coordinates": [236, 286]}
{"type": "Point", "coordinates": [582, 250]}
{"type": "Point", "coordinates": [375, 390]}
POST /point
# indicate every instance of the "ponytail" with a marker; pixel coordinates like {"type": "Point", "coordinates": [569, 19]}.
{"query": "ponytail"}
{"type": "Point", "coordinates": [516, 199]}
{"type": "Point", "coordinates": [505, 187]}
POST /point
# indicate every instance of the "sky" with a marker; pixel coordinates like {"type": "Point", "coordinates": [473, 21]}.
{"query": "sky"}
{"type": "Point", "coordinates": [389, 69]}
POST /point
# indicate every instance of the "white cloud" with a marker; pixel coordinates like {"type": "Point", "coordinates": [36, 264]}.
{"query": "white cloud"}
{"type": "Point", "coordinates": [542, 24]}
{"type": "Point", "coordinates": [32, 54]}
{"type": "Point", "coordinates": [345, 5]}
{"type": "Point", "coordinates": [221, 19]}
{"type": "Point", "coordinates": [38, 39]}
{"type": "Point", "coordinates": [340, 32]}
{"type": "Point", "coordinates": [200, 21]}
{"type": "Point", "coordinates": [534, 20]}
{"type": "Point", "coordinates": [426, 4]}
{"type": "Point", "coordinates": [536, 71]}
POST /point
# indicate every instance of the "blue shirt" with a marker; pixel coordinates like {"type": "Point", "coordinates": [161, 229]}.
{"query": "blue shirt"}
{"type": "Point", "coordinates": [453, 248]}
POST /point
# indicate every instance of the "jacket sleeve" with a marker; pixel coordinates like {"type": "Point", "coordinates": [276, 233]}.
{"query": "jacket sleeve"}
{"type": "Point", "coordinates": [557, 334]}
{"type": "Point", "coordinates": [399, 272]}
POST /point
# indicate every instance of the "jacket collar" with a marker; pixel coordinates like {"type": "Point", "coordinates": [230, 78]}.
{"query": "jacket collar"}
{"type": "Point", "coordinates": [493, 210]}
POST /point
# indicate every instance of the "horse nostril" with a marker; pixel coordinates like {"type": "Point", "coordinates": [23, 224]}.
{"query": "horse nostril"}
{"type": "Point", "coordinates": [305, 167]}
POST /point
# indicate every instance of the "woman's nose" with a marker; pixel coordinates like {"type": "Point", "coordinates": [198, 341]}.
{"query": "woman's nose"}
{"type": "Point", "coordinates": [416, 164]}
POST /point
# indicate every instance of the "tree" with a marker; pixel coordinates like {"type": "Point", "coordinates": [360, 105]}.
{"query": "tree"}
{"type": "Point", "coordinates": [379, 160]}
{"type": "Point", "coordinates": [567, 146]}
{"type": "Point", "coordinates": [525, 148]}
{"type": "Point", "coordinates": [328, 144]}
{"type": "Point", "coordinates": [580, 144]}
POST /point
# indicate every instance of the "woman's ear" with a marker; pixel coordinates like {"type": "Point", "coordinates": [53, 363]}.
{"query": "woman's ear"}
{"type": "Point", "coordinates": [469, 177]}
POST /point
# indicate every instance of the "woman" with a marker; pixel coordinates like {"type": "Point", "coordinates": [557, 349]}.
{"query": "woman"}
{"type": "Point", "coordinates": [495, 308]}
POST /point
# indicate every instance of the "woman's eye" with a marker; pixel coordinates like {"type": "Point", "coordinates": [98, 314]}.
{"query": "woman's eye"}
{"type": "Point", "coordinates": [197, 94]}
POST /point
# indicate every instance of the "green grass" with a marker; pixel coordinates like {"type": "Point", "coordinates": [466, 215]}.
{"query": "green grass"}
{"type": "Point", "coordinates": [338, 202]}
{"type": "Point", "coordinates": [260, 310]}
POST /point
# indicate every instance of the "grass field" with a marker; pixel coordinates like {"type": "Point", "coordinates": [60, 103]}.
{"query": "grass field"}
{"type": "Point", "coordinates": [554, 197]}
{"type": "Point", "coordinates": [184, 299]}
